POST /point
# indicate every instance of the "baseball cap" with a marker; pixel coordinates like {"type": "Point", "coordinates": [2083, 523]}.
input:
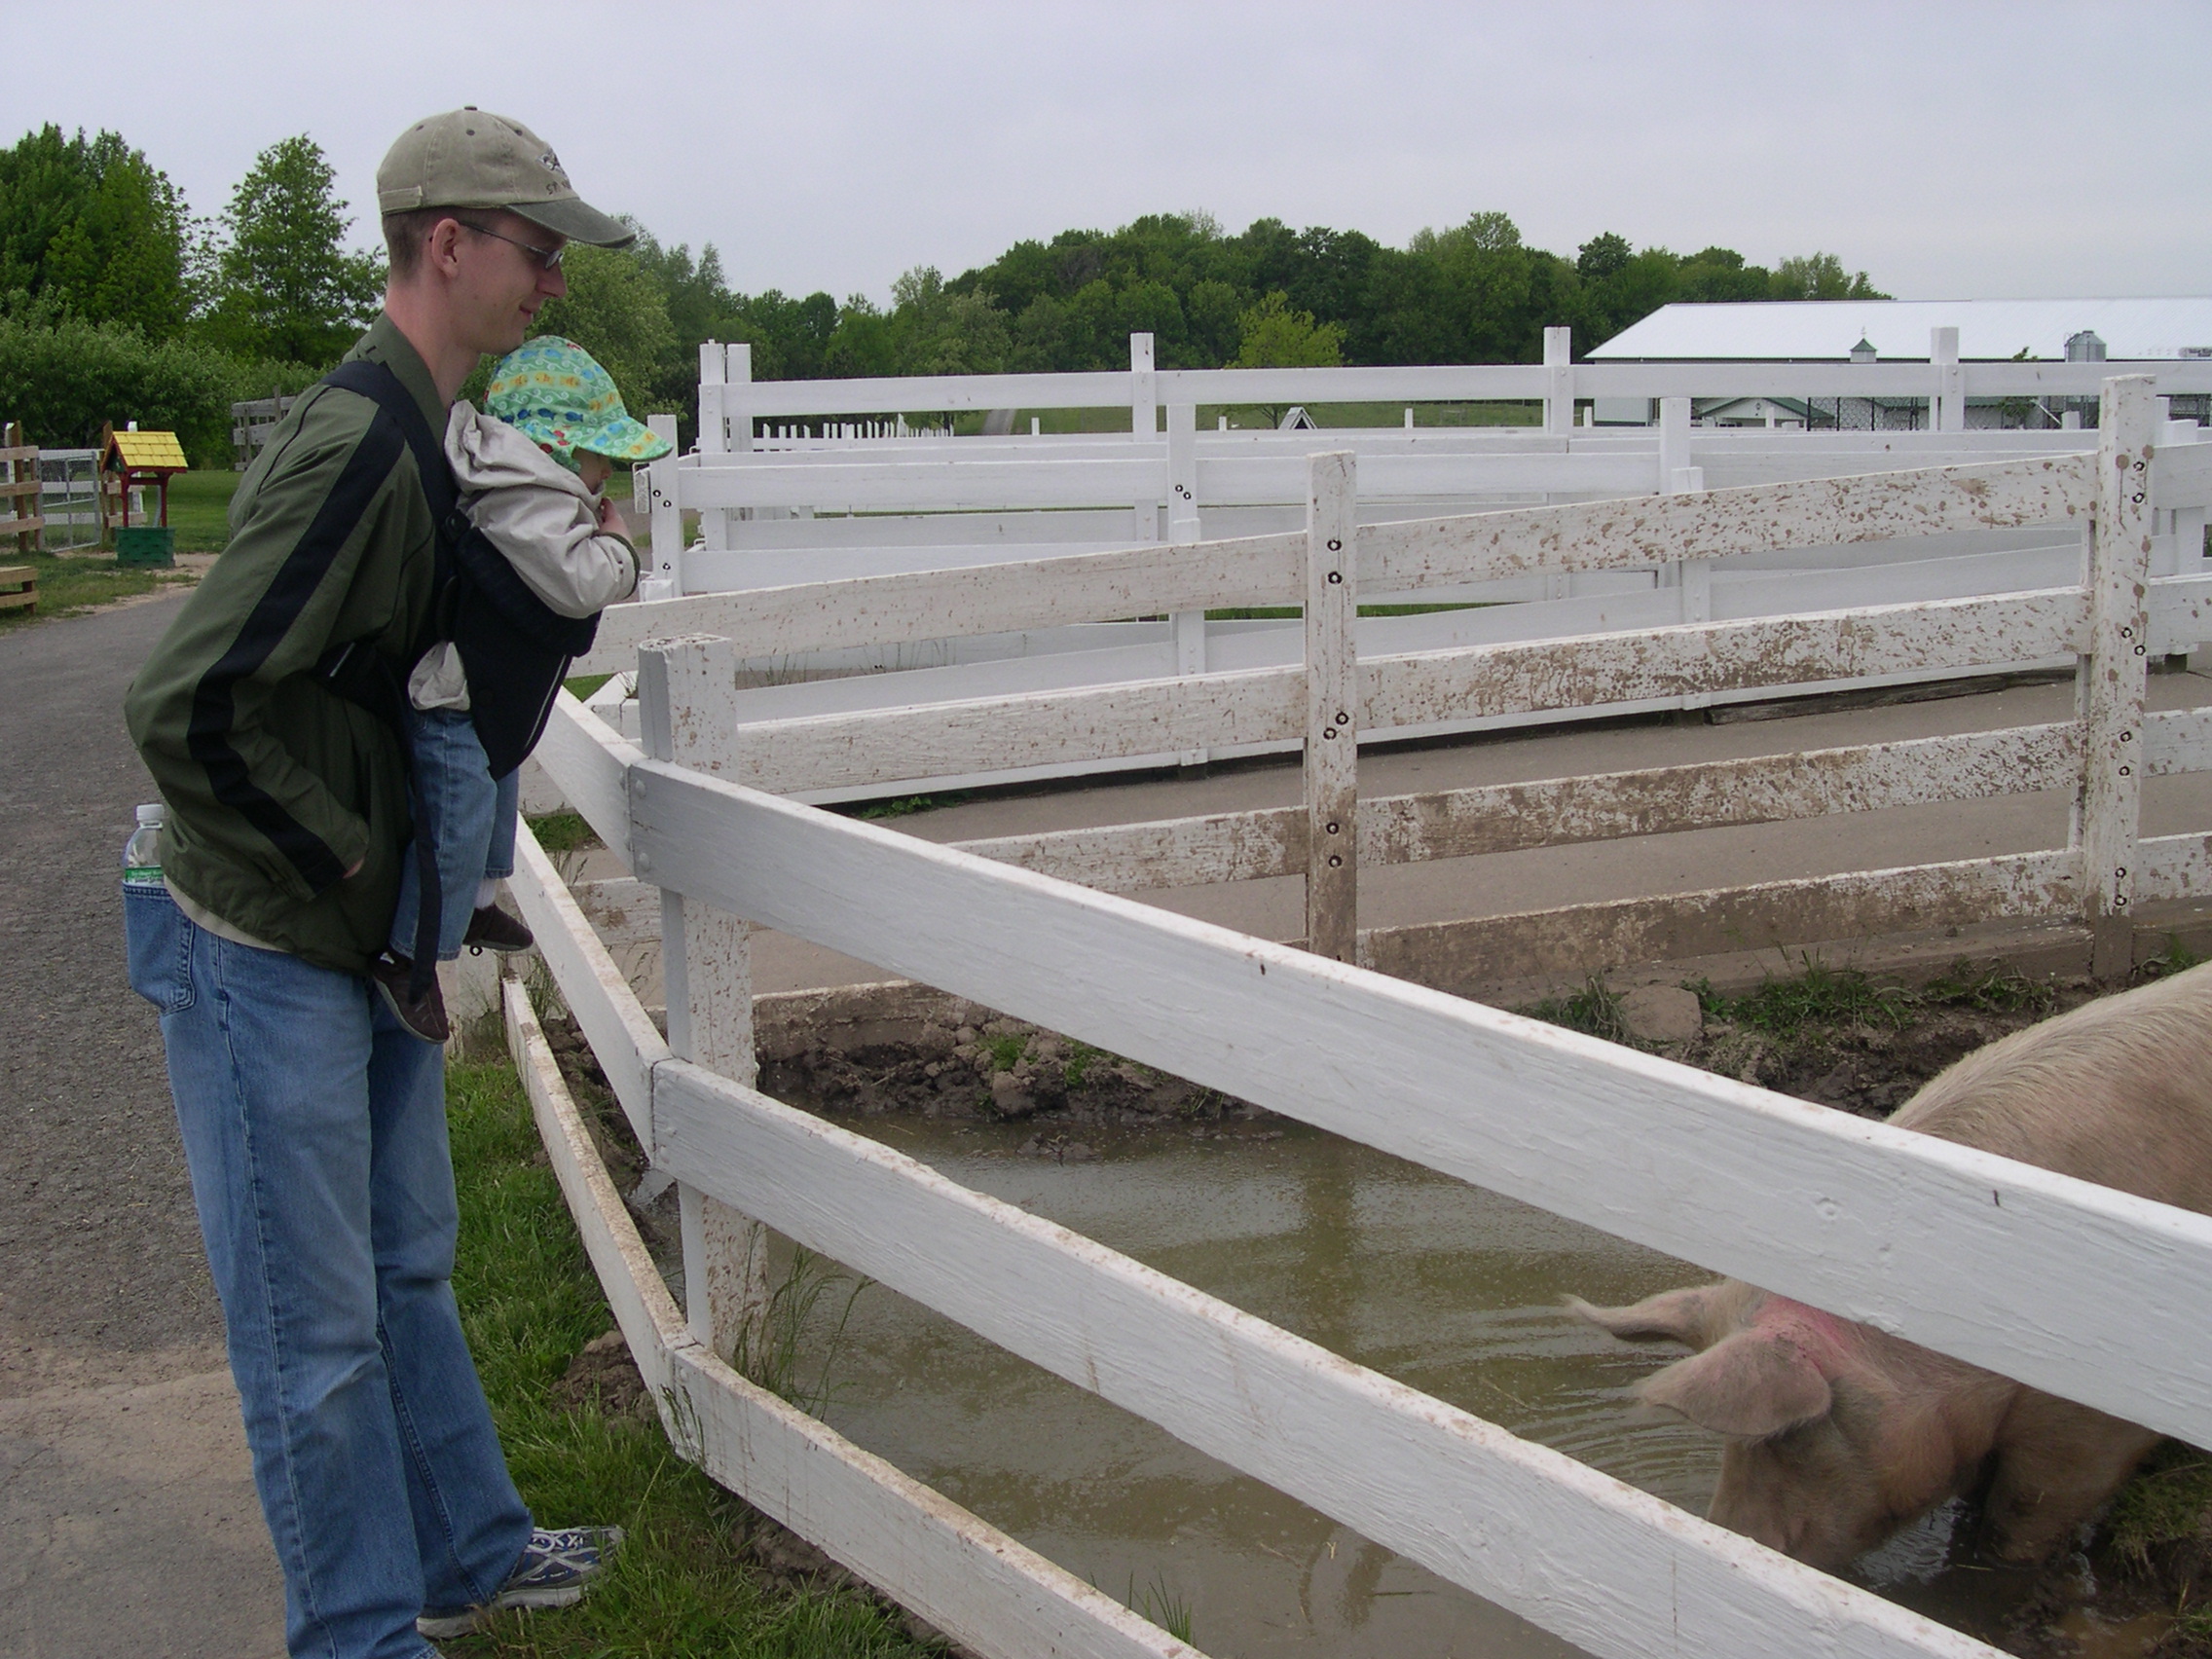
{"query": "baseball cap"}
{"type": "Point", "coordinates": [558, 396]}
{"type": "Point", "coordinates": [471, 158]}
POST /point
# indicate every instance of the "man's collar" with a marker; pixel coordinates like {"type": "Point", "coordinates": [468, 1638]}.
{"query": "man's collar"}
{"type": "Point", "coordinates": [384, 343]}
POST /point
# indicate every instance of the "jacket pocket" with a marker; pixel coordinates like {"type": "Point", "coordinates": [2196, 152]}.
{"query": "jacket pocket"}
{"type": "Point", "coordinates": [156, 939]}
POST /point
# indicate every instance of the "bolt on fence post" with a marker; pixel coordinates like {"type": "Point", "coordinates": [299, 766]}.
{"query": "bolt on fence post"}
{"type": "Point", "coordinates": [2113, 674]}
{"type": "Point", "coordinates": [685, 690]}
{"type": "Point", "coordinates": [1331, 708]}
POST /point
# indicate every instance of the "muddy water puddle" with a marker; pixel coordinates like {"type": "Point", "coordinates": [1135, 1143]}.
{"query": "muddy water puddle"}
{"type": "Point", "coordinates": [1443, 1286]}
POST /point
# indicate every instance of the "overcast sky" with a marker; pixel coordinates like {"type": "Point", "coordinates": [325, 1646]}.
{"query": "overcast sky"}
{"type": "Point", "coordinates": [1949, 149]}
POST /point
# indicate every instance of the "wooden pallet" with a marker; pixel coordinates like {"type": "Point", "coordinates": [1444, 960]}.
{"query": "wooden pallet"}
{"type": "Point", "coordinates": [19, 588]}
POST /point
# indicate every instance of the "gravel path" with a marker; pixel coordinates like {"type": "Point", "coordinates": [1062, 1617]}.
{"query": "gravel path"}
{"type": "Point", "coordinates": [128, 1520]}
{"type": "Point", "coordinates": [99, 1254]}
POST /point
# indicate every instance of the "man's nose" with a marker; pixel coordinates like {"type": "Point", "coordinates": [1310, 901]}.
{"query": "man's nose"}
{"type": "Point", "coordinates": [553, 283]}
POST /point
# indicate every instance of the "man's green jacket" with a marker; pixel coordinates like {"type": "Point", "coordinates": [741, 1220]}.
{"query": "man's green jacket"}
{"type": "Point", "coordinates": [276, 786]}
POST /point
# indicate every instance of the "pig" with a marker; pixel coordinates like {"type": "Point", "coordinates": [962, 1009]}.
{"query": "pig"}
{"type": "Point", "coordinates": [1837, 1435]}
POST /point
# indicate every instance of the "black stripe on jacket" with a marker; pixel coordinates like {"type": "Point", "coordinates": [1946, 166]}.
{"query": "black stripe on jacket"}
{"type": "Point", "coordinates": [207, 737]}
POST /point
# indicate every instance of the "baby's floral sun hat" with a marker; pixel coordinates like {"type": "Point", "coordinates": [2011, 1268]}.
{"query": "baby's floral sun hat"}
{"type": "Point", "coordinates": [554, 392]}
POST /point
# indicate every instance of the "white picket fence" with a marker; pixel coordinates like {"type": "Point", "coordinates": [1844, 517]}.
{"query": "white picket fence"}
{"type": "Point", "coordinates": [780, 512]}
{"type": "Point", "coordinates": [2090, 1294]}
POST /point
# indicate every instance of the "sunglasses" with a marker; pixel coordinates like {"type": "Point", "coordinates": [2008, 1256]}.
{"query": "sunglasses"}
{"type": "Point", "coordinates": [548, 259]}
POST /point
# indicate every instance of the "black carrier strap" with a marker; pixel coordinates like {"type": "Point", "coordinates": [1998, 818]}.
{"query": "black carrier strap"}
{"type": "Point", "coordinates": [365, 675]}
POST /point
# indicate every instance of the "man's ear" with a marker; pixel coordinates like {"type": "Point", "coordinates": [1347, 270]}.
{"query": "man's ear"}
{"type": "Point", "coordinates": [1752, 1384]}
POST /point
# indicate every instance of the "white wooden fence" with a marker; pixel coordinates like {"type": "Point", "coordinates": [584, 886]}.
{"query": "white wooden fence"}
{"type": "Point", "coordinates": [776, 512]}
{"type": "Point", "coordinates": [2090, 1294]}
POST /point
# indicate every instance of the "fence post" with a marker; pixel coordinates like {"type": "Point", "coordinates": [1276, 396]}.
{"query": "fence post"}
{"type": "Point", "coordinates": [24, 497]}
{"type": "Point", "coordinates": [1559, 381]}
{"type": "Point", "coordinates": [1332, 708]}
{"type": "Point", "coordinates": [1950, 404]}
{"type": "Point", "coordinates": [1188, 626]}
{"type": "Point", "coordinates": [684, 685]}
{"type": "Point", "coordinates": [664, 517]}
{"type": "Point", "coordinates": [2112, 676]}
{"type": "Point", "coordinates": [714, 435]}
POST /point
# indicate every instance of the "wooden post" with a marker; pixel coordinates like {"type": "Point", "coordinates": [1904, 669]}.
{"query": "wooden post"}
{"type": "Point", "coordinates": [665, 568]}
{"type": "Point", "coordinates": [1950, 404]}
{"type": "Point", "coordinates": [1189, 626]}
{"type": "Point", "coordinates": [2111, 678]}
{"type": "Point", "coordinates": [684, 685]}
{"type": "Point", "coordinates": [1144, 399]}
{"type": "Point", "coordinates": [715, 524]}
{"type": "Point", "coordinates": [19, 476]}
{"type": "Point", "coordinates": [1558, 392]}
{"type": "Point", "coordinates": [1332, 708]}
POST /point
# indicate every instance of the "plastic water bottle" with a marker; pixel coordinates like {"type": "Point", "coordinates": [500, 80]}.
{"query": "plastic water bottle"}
{"type": "Point", "coordinates": [142, 853]}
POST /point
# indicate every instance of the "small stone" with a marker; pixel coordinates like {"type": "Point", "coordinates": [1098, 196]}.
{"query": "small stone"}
{"type": "Point", "coordinates": [932, 1069]}
{"type": "Point", "coordinates": [1075, 1152]}
{"type": "Point", "coordinates": [1045, 1049]}
{"type": "Point", "coordinates": [966, 1036]}
{"type": "Point", "coordinates": [1009, 1098]}
{"type": "Point", "coordinates": [1662, 1014]}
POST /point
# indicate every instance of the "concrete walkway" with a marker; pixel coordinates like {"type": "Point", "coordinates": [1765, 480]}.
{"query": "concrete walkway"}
{"type": "Point", "coordinates": [127, 1518]}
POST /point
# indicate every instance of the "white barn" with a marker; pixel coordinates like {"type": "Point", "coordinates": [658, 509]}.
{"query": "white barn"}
{"type": "Point", "coordinates": [1831, 331]}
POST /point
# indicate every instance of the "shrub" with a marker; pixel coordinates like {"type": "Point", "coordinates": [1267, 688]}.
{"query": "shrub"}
{"type": "Point", "coordinates": [63, 378]}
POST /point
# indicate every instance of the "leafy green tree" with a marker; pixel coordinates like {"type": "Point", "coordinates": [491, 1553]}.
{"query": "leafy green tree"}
{"type": "Point", "coordinates": [1821, 277]}
{"type": "Point", "coordinates": [939, 332]}
{"type": "Point", "coordinates": [65, 376]}
{"type": "Point", "coordinates": [1276, 336]}
{"type": "Point", "coordinates": [285, 285]}
{"type": "Point", "coordinates": [93, 228]}
{"type": "Point", "coordinates": [616, 309]}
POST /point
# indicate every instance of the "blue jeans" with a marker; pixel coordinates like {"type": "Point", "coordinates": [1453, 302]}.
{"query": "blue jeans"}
{"type": "Point", "coordinates": [472, 824]}
{"type": "Point", "coordinates": [315, 1129]}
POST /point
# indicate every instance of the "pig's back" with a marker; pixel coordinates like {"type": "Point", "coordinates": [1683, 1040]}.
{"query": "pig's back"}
{"type": "Point", "coordinates": [2118, 1091]}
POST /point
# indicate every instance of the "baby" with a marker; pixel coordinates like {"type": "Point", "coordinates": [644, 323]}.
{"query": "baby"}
{"type": "Point", "coordinates": [529, 470]}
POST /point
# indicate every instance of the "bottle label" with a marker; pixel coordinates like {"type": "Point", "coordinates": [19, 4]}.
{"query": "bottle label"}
{"type": "Point", "coordinates": [142, 875]}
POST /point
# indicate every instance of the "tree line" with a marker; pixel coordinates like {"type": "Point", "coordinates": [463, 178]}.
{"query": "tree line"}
{"type": "Point", "coordinates": [116, 302]}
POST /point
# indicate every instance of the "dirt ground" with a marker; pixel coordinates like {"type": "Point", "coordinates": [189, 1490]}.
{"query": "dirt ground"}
{"type": "Point", "coordinates": [2130, 1590]}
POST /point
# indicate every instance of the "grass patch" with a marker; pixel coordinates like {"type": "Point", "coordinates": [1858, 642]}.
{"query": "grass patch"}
{"type": "Point", "coordinates": [200, 508]}
{"type": "Point", "coordinates": [2167, 1502]}
{"type": "Point", "coordinates": [583, 685]}
{"type": "Point", "coordinates": [562, 831]}
{"type": "Point", "coordinates": [682, 1584]}
{"type": "Point", "coordinates": [69, 586]}
{"type": "Point", "coordinates": [904, 806]}
{"type": "Point", "coordinates": [1824, 997]}
{"type": "Point", "coordinates": [1595, 1010]}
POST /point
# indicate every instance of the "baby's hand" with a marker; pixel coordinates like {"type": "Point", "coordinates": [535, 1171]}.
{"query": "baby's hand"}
{"type": "Point", "coordinates": [611, 518]}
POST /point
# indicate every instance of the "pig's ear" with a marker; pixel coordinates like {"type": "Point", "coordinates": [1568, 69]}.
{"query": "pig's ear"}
{"type": "Point", "coordinates": [1685, 1316]}
{"type": "Point", "coordinates": [1754, 1383]}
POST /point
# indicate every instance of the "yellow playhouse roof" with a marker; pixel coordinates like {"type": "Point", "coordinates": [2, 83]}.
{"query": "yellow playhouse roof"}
{"type": "Point", "coordinates": [149, 450]}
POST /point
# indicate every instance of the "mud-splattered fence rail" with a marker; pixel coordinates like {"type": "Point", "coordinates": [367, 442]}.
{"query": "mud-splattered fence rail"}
{"type": "Point", "coordinates": [2111, 624]}
{"type": "Point", "coordinates": [2093, 1295]}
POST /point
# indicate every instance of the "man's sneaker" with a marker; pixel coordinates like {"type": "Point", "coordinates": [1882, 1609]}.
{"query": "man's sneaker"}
{"type": "Point", "coordinates": [425, 1015]}
{"type": "Point", "coordinates": [554, 1572]}
{"type": "Point", "coordinates": [493, 928]}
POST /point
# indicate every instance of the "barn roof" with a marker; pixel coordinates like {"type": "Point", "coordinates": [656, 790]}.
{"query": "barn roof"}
{"type": "Point", "coordinates": [1824, 330]}
{"type": "Point", "coordinates": [150, 450]}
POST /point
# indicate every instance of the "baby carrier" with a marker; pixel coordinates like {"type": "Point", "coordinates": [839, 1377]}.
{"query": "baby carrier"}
{"type": "Point", "coordinates": [514, 647]}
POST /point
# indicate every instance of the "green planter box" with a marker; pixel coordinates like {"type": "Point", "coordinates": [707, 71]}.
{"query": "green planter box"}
{"type": "Point", "coordinates": [153, 544]}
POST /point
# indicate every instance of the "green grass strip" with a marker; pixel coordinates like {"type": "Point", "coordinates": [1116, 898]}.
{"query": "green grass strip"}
{"type": "Point", "coordinates": [683, 1582]}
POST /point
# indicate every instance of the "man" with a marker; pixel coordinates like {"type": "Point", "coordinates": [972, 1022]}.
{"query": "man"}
{"type": "Point", "coordinates": [314, 1122]}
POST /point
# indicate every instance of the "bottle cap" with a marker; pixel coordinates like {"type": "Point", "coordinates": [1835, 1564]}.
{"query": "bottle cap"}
{"type": "Point", "coordinates": [152, 812]}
